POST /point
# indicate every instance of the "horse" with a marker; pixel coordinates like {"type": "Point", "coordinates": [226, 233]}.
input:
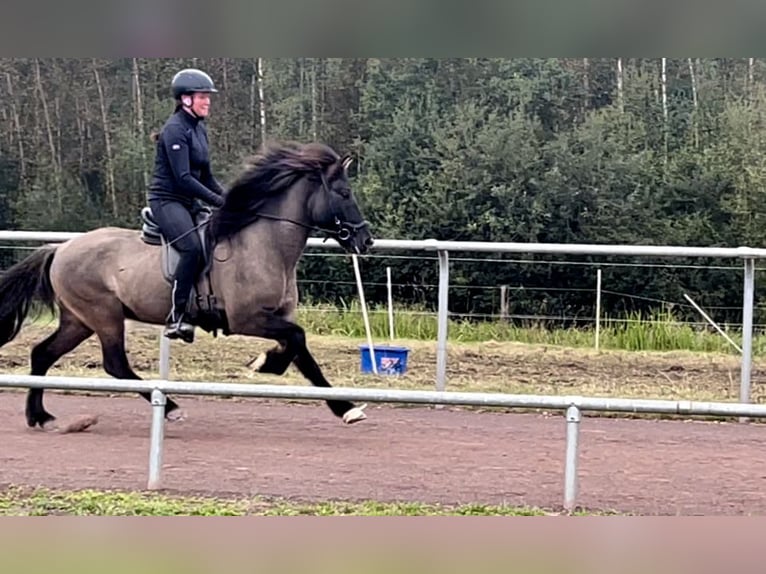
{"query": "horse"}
{"type": "Point", "coordinates": [253, 243]}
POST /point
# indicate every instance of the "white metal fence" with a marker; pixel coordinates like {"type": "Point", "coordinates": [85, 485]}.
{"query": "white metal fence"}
{"type": "Point", "coordinates": [444, 248]}
{"type": "Point", "coordinates": [573, 406]}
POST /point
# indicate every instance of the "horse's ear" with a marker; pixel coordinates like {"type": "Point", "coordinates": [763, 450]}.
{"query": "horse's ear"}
{"type": "Point", "coordinates": [347, 161]}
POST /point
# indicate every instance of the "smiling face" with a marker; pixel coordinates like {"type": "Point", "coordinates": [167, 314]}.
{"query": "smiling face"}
{"type": "Point", "coordinates": [198, 103]}
{"type": "Point", "coordinates": [201, 104]}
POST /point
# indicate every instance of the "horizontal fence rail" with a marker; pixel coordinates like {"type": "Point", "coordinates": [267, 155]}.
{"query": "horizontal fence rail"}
{"type": "Point", "coordinates": [478, 246]}
{"type": "Point", "coordinates": [573, 406]}
{"type": "Point", "coordinates": [443, 248]}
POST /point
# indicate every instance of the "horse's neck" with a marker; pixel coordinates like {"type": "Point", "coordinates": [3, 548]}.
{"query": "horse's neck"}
{"type": "Point", "coordinates": [277, 242]}
{"type": "Point", "coordinates": [287, 239]}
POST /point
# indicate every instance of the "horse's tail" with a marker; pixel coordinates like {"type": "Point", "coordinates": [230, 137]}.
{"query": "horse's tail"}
{"type": "Point", "coordinates": [22, 285]}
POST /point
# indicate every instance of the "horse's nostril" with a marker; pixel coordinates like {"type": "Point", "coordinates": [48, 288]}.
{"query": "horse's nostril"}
{"type": "Point", "coordinates": [369, 242]}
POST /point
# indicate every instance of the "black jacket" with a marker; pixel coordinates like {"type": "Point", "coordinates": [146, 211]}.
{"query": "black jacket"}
{"type": "Point", "coordinates": [182, 164]}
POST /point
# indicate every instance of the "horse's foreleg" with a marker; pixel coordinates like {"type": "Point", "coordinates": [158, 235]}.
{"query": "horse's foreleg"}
{"type": "Point", "coordinates": [295, 348]}
{"type": "Point", "coordinates": [306, 364]}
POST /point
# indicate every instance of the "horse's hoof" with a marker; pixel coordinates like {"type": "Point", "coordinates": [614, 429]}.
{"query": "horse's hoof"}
{"type": "Point", "coordinates": [354, 415]}
{"type": "Point", "coordinates": [50, 426]}
{"type": "Point", "coordinates": [175, 416]}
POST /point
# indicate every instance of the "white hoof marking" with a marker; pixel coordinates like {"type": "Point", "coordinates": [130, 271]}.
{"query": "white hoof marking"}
{"type": "Point", "coordinates": [50, 426]}
{"type": "Point", "coordinates": [176, 416]}
{"type": "Point", "coordinates": [259, 362]}
{"type": "Point", "coordinates": [354, 415]}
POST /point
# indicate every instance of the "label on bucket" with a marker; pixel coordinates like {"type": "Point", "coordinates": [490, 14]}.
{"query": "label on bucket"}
{"type": "Point", "coordinates": [390, 364]}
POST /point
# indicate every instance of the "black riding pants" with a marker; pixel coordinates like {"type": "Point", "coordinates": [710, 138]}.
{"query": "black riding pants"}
{"type": "Point", "coordinates": [177, 225]}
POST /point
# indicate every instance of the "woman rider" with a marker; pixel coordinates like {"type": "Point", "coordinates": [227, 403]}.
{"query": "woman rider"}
{"type": "Point", "coordinates": [181, 183]}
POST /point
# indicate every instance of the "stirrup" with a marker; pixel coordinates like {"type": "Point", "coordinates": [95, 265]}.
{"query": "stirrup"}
{"type": "Point", "coordinates": [179, 330]}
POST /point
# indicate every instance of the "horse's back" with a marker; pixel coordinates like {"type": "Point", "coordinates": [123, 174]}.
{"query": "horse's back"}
{"type": "Point", "coordinates": [115, 239]}
{"type": "Point", "coordinates": [103, 253]}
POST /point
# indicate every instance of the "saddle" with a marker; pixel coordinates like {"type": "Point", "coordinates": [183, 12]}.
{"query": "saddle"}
{"type": "Point", "coordinates": [152, 235]}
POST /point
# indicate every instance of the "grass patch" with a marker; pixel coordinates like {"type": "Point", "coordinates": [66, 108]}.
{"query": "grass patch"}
{"type": "Point", "coordinates": [21, 501]}
{"type": "Point", "coordinates": [497, 366]}
{"type": "Point", "coordinates": [45, 502]}
{"type": "Point", "coordinates": [657, 331]}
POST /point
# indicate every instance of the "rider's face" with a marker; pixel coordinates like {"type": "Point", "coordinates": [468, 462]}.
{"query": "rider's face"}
{"type": "Point", "coordinates": [200, 104]}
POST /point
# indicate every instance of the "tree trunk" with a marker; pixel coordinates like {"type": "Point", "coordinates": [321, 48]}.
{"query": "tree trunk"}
{"type": "Point", "coordinates": [253, 113]}
{"type": "Point", "coordinates": [323, 92]}
{"type": "Point", "coordinates": [586, 75]}
{"type": "Point", "coordinates": [695, 103]}
{"type": "Point", "coordinates": [620, 91]}
{"type": "Point", "coordinates": [57, 112]}
{"type": "Point", "coordinates": [49, 131]}
{"type": "Point", "coordinates": [80, 131]}
{"type": "Point", "coordinates": [664, 88]}
{"type": "Point", "coordinates": [139, 103]}
{"type": "Point", "coordinates": [17, 129]}
{"type": "Point", "coordinates": [586, 87]}
{"type": "Point", "coordinates": [314, 99]}
{"type": "Point", "coordinates": [302, 89]}
{"type": "Point", "coordinates": [112, 192]}
{"type": "Point", "coordinates": [261, 98]}
{"type": "Point", "coordinates": [225, 106]}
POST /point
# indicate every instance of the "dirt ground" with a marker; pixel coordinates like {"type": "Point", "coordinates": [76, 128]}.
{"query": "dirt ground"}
{"type": "Point", "coordinates": [453, 456]}
{"type": "Point", "coordinates": [301, 452]}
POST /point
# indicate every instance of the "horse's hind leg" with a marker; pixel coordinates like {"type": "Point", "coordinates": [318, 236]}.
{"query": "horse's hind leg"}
{"type": "Point", "coordinates": [70, 333]}
{"type": "Point", "coordinates": [116, 363]}
{"type": "Point", "coordinates": [275, 360]}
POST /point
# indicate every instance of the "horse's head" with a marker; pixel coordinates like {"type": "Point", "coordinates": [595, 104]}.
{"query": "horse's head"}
{"type": "Point", "coordinates": [334, 208]}
{"type": "Point", "coordinates": [268, 189]}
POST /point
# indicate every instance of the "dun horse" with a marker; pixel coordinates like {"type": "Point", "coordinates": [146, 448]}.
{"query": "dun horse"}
{"type": "Point", "coordinates": [253, 245]}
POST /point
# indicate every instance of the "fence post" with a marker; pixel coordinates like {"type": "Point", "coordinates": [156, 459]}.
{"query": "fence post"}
{"type": "Point", "coordinates": [503, 302]}
{"type": "Point", "coordinates": [573, 417]}
{"type": "Point", "coordinates": [389, 288]}
{"type": "Point", "coordinates": [157, 435]}
{"type": "Point", "coordinates": [747, 331]}
{"type": "Point", "coordinates": [598, 307]}
{"type": "Point", "coordinates": [441, 345]}
{"type": "Point", "coordinates": [164, 357]}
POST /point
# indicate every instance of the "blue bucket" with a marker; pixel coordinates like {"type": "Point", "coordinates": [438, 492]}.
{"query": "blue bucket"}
{"type": "Point", "coordinates": [389, 360]}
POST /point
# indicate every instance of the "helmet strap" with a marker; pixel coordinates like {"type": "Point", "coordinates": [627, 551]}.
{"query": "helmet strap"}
{"type": "Point", "coordinates": [188, 106]}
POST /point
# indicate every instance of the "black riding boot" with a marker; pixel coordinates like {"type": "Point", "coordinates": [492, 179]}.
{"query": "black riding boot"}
{"type": "Point", "coordinates": [177, 326]}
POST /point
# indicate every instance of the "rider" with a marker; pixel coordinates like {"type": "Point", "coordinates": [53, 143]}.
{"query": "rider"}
{"type": "Point", "coordinates": [182, 183]}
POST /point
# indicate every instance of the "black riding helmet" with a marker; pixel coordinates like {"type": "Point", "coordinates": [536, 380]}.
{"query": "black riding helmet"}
{"type": "Point", "coordinates": [191, 80]}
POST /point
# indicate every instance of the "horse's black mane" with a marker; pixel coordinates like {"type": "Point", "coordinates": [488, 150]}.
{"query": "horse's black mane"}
{"type": "Point", "coordinates": [272, 170]}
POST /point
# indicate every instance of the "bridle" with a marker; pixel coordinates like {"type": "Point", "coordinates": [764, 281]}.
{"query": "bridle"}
{"type": "Point", "coordinates": [343, 230]}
